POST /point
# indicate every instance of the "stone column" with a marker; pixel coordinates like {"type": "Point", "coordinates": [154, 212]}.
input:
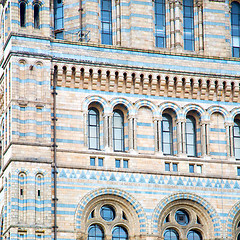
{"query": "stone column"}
{"type": "Point", "coordinates": [158, 136]}
{"type": "Point", "coordinates": [85, 127]}
{"type": "Point", "coordinates": [118, 23]}
{"type": "Point", "coordinates": [207, 139]}
{"type": "Point", "coordinates": [179, 137]}
{"type": "Point", "coordinates": [178, 35]}
{"type": "Point", "coordinates": [200, 25]}
{"type": "Point", "coordinates": [132, 133]}
{"type": "Point", "coordinates": [184, 150]}
{"type": "Point", "coordinates": [203, 139]}
{"type": "Point", "coordinates": [172, 28]}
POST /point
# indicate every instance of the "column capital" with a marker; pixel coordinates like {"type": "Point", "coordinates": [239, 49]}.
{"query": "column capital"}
{"type": "Point", "coordinates": [229, 124]}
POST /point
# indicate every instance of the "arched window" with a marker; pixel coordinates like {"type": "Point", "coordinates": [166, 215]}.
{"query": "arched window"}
{"type": "Point", "coordinates": [191, 136]}
{"type": "Point", "coordinates": [95, 232]}
{"type": "Point", "coordinates": [188, 25]}
{"type": "Point", "coordinates": [170, 234]}
{"type": "Point", "coordinates": [118, 131]}
{"type": "Point", "coordinates": [194, 235]}
{"type": "Point", "coordinates": [235, 26]}
{"type": "Point", "coordinates": [36, 15]}
{"type": "Point", "coordinates": [119, 233]}
{"type": "Point", "coordinates": [22, 14]}
{"type": "Point", "coordinates": [236, 138]}
{"type": "Point", "coordinates": [106, 21]}
{"type": "Point", "coordinates": [160, 23]}
{"type": "Point", "coordinates": [93, 129]}
{"type": "Point", "coordinates": [167, 135]}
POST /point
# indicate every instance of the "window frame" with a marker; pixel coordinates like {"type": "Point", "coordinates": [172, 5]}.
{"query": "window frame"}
{"type": "Point", "coordinates": [121, 128]}
{"type": "Point", "coordinates": [97, 129]}
{"type": "Point", "coordinates": [108, 22]}
{"type": "Point", "coordinates": [237, 5]}
{"type": "Point", "coordinates": [170, 132]}
{"type": "Point", "coordinates": [188, 30]}
{"type": "Point", "coordinates": [236, 138]}
{"type": "Point", "coordinates": [194, 134]}
{"type": "Point", "coordinates": [162, 16]}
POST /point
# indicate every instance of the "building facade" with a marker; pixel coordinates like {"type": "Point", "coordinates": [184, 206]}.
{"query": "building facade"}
{"type": "Point", "coordinates": [120, 119]}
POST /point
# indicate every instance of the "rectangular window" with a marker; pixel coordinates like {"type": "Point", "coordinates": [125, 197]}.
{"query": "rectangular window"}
{"type": "Point", "coordinates": [106, 22]}
{"type": "Point", "coordinates": [117, 163]}
{"type": "Point", "coordinates": [92, 161]}
{"type": "Point", "coordinates": [167, 167]}
{"type": "Point", "coordinates": [238, 171]}
{"type": "Point", "coordinates": [188, 25]}
{"type": "Point", "coordinates": [199, 169]}
{"type": "Point", "coordinates": [100, 162]}
{"type": "Point", "coordinates": [58, 18]}
{"type": "Point", "coordinates": [125, 163]}
{"type": "Point", "coordinates": [191, 168]}
{"type": "Point", "coordinates": [160, 23]}
{"type": "Point", "coordinates": [175, 167]}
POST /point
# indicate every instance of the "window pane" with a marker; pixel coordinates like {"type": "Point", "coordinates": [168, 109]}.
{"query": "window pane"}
{"type": "Point", "coordinates": [107, 213]}
{"type": "Point", "coordinates": [106, 20]}
{"type": "Point", "coordinates": [117, 163]}
{"type": "Point", "coordinates": [175, 167]}
{"type": "Point", "coordinates": [95, 232]}
{"type": "Point", "coordinates": [167, 166]}
{"type": "Point", "coordinates": [119, 233]}
{"type": "Point", "coordinates": [170, 234]}
{"type": "Point", "coordinates": [194, 235]}
{"type": "Point", "coordinates": [191, 168]}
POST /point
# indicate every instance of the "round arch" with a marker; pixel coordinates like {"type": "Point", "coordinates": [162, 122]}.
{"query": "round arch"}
{"type": "Point", "coordinates": [192, 107]}
{"type": "Point", "coordinates": [172, 106]}
{"type": "Point", "coordinates": [210, 211]}
{"type": "Point", "coordinates": [146, 103]}
{"type": "Point", "coordinates": [219, 109]}
{"type": "Point", "coordinates": [87, 101]}
{"type": "Point", "coordinates": [121, 101]}
{"type": "Point", "coordinates": [233, 217]}
{"type": "Point", "coordinates": [133, 203]}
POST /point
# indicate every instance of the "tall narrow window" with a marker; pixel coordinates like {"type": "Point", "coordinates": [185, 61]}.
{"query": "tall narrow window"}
{"type": "Point", "coordinates": [188, 25]}
{"type": "Point", "coordinates": [167, 135]}
{"type": "Point", "coordinates": [93, 129]}
{"type": "Point", "coordinates": [118, 131]}
{"type": "Point", "coordinates": [160, 23]}
{"type": "Point", "coordinates": [191, 136]}
{"type": "Point", "coordinates": [235, 23]}
{"type": "Point", "coordinates": [22, 14]}
{"type": "Point", "coordinates": [106, 21]}
{"type": "Point", "coordinates": [58, 18]}
{"type": "Point", "coordinates": [95, 232]}
{"type": "Point", "coordinates": [36, 15]}
{"type": "Point", "coordinates": [236, 138]}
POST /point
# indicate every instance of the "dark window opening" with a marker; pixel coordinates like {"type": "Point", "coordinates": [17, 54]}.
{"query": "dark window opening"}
{"type": "Point", "coordinates": [23, 14]}
{"type": "Point", "coordinates": [36, 16]}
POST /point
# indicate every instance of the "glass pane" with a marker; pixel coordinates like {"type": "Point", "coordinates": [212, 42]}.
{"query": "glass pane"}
{"type": "Point", "coordinates": [237, 153]}
{"type": "Point", "coordinates": [119, 233]}
{"type": "Point", "coordinates": [117, 163]}
{"type": "Point", "coordinates": [182, 217]}
{"type": "Point", "coordinates": [167, 149]}
{"type": "Point", "coordinates": [175, 167]}
{"type": "Point", "coordinates": [191, 168]}
{"type": "Point", "coordinates": [167, 166]}
{"type": "Point", "coordinates": [190, 139]}
{"type": "Point", "coordinates": [190, 150]}
{"type": "Point", "coordinates": [170, 234]}
{"type": "Point", "coordinates": [95, 232]}
{"type": "Point", "coordinates": [194, 235]}
{"type": "Point", "coordinates": [107, 213]}
{"type": "Point", "coordinates": [237, 142]}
